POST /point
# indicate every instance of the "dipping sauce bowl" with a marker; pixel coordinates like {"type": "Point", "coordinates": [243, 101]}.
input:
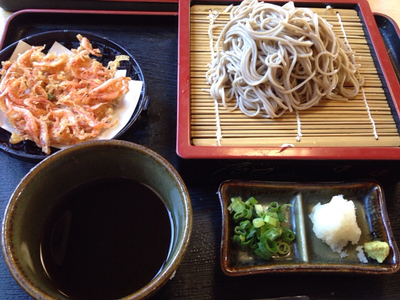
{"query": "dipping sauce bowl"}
{"type": "Point", "coordinates": [40, 192]}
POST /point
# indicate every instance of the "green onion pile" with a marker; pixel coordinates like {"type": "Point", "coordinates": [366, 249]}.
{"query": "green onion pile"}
{"type": "Point", "coordinates": [259, 229]}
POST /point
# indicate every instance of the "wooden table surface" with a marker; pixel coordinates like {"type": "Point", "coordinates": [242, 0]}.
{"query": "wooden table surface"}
{"type": "Point", "coordinates": [391, 8]}
{"type": "Point", "coordinates": [200, 275]}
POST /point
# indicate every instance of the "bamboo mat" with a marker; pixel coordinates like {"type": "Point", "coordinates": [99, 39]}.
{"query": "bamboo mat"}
{"type": "Point", "coordinates": [331, 123]}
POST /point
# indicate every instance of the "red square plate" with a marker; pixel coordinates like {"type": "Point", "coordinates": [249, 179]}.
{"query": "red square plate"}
{"type": "Point", "coordinates": [187, 149]}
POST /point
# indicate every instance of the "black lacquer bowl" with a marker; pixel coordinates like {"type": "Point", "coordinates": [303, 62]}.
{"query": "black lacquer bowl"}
{"type": "Point", "coordinates": [27, 150]}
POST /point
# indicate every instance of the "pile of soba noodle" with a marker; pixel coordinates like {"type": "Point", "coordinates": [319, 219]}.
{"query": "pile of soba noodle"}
{"type": "Point", "coordinates": [275, 59]}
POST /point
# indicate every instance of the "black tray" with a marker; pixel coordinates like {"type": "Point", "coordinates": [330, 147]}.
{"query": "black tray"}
{"type": "Point", "coordinates": [154, 42]}
{"type": "Point", "coordinates": [166, 5]}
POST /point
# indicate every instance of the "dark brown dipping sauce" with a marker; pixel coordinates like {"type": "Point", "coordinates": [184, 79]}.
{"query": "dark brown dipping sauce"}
{"type": "Point", "coordinates": [106, 239]}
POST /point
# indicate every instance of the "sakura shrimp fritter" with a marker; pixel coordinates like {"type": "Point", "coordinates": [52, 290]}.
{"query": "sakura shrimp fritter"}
{"type": "Point", "coordinates": [60, 99]}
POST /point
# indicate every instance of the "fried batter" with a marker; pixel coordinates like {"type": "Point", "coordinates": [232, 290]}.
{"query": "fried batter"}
{"type": "Point", "coordinates": [60, 99]}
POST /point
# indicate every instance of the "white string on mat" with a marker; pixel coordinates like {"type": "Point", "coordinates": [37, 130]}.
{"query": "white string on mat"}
{"type": "Point", "coordinates": [362, 89]}
{"type": "Point", "coordinates": [369, 114]}
{"type": "Point", "coordinates": [218, 132]}
{"type": "Point", "coordinates": [299, 134]}
{"type": "Point", "coordinates": [213, 16]}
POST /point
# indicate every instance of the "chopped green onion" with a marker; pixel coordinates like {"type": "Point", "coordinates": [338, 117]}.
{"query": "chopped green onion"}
{"type": "Point", "coordinates": [271, 220]}
{"type": "Point", "coordinates": [259, 229]}
{"type": "Point", "coordinates": [236, 205]}
{"type": "Point", "coordinates": [259, 210]}
{"type": "Point", "coordinates": [239, 216]}
{"type": "Point", "coordinates": [283, 248]}
{"type": "Point", "coordinates": [236, 239]}
{"type": "Point", "coordinates": [288, 235]}
{"type": "Point", "coordinates": [247, 242]}
{"type": "Point", "coordinates": [251, 234]}
{"type": "Point", "coordinates": [273, 206]}
{"type": "Point", "coordinates": [268, 245]}
{"type": "Point", "coordinates": [258, 222]}
{"type": "Point", "coordinates": [246, 224]}
{"type": "Point", "coordinates": [264, 255]}
{"type": "Point", "coordinates": [239, 230]}
{"type": "Point", "coordinates": [272, 234]}
{"type": "Point", "coordinates": [252, 201]}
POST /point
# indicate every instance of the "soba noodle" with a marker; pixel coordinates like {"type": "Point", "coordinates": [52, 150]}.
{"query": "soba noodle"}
{"type": "Point", "coordinates": [275, 59]}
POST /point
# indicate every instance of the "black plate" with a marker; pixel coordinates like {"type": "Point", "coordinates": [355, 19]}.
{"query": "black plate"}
{"type": "Point", "coordinates": [27, 149]}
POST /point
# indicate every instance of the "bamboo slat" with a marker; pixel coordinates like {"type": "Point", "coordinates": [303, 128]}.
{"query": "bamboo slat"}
{"type": "Point", "coordinates": [332, 123]}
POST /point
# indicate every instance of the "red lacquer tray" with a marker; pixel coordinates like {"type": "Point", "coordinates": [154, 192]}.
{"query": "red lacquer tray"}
{"type": "Point", "coordinates": [186, 149]}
